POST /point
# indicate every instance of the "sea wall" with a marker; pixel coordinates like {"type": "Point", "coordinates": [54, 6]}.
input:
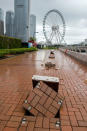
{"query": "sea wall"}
{"type": "Point", "coordinates": [82, 57]}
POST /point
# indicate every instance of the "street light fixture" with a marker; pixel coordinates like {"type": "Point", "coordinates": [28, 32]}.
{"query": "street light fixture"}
{"type": "Point", "coordinates": [34, 34]}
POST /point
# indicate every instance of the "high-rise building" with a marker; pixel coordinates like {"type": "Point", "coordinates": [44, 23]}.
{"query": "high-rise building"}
{"type": "Point", "coordinates": [1, 22]}
{"type": "Point", "coordinates": [32, 26]}
{"type": "Point", "coordinates": [9, 23]}
{"type": "Point", "coordinates": [21, 20]}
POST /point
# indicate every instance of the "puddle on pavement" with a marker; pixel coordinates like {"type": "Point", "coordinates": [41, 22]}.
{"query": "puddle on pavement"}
{"type": "Point", "coordinates": [79, 68]}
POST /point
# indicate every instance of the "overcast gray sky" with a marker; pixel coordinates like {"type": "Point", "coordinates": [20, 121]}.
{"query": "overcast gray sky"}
{"type": "Point", "coordinates": [74, 12]}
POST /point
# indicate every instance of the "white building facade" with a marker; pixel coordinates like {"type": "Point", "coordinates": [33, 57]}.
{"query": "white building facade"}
{"type": "Point", "coordinates": [10, 24]}
{"type": "Point", "coordinates": [21, 20]}
{"type": "Point", "coordinates": [1, 22]}
{"type": "Point", "coordinates": [32, 26]}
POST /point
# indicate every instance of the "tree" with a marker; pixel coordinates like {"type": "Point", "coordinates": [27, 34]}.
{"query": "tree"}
{"type": "Point", "coordinates": [32, 39]}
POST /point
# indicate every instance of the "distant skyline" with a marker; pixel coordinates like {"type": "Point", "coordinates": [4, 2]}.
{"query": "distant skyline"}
{"type": "Point", "coordinates": [32, 26]}
{"type": "Point", "coordinates": [9, 23]}
{"type": "Point", "coordinates": [74, 12]}
{"type": "Point", "coordinates": [21, 20]}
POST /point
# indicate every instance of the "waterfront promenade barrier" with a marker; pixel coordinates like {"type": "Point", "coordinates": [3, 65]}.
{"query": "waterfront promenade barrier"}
{"type": "Point", "coordinates": [77, 48]}
{"type": "Point", "coordinates": [82, 57]}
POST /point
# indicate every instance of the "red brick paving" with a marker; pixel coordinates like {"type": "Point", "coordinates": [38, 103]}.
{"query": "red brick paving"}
{"type": "Point", "coordinates": [34, 124]}
{"type": "Point", "coordinates": [40, 123]}
{"type": "Point", "coordinates": [16, 84]}
{"type": "Point", "coordinates": [45, 103]}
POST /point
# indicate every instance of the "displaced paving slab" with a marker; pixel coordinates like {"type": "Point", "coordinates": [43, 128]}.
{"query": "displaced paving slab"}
{"type": "Point", "coordinates": [43, 100]}
{"type": "Point", "coordinates": [52, 56]}
{"type": "Point", "coordinates": [16, 84]}
{"type": "Point", "coordinates": [52, 82]}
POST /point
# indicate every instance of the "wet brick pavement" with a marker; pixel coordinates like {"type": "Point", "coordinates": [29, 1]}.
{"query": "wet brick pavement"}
{"type": "Point", "coordinates": [16, 84]}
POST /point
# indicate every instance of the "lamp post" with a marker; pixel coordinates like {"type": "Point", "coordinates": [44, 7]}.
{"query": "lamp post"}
{"type": "Point", "coordinates": [34, 34]}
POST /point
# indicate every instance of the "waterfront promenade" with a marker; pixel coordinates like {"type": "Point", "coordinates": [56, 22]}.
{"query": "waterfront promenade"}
{"type": "Point", "coordinates": [16, 84]}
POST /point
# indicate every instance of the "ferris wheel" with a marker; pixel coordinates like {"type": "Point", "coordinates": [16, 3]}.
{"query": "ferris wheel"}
{"type": "Point", "coordinates": [54, 27]}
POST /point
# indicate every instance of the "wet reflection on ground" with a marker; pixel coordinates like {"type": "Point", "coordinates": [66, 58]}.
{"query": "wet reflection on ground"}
{"type": "Point", "coordinates": [79, 68]}
{"type": "Point", "coordinates": [18, 70]}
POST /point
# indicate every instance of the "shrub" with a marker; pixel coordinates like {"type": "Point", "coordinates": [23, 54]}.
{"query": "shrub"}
{"type": "Point", "coordinates": [15, 51]}
{"type": "Point", "coordinates": [9, 43]}
{"type": "Point", "coordinates": [2, 53]}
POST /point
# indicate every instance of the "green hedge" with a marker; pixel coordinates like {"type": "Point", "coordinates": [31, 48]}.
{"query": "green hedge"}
{"type": "Point", "coordinates": [15, 51]}
{"type": "Point", "coordinates": [50, 48]}
{"type": "Point", "coordinates": [9, 43]}
{"type": "Point", "coordinates": [2, 54]}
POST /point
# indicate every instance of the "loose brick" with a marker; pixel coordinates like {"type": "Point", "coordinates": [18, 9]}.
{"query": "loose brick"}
{"type": "Point", "coordinates": [26, 105]}
{"type": "Point", "coordinates": [10, 111]}
{"type": "Point", "coordinates": [38, 92]}
{"type": "Point", "coordinates": [30, 126]}
{"type": "Point", "coordinates": [41, 109]}
{"type": "Point", "coordinates": [46, 123]}
{"type": "Point", "coordinates": [53, 110]}
{"type": "Point", "coordinates": [71, 113]}
{"type": "Point", "coordinates": [54, 120]}
{"type": "Point", "coordinates": [82, 123]}
{"type": "Point", "coordinates": [78, 116]}
{"type": "Point", "coordinates": [30, 118]}
{"type": "Point", "coordinates": [65, 123]}
{"type": "Point", "coordinates": [53, 94]}
{"type": "Point", "coordinates": [43, 99]}
{"type": "Point", "coordinates": [48, 91]}
{"type": "Point", "coordinates": [54, 130]}
{"type": "Point", "coordinates": [79, 128]}
{"type": "Point", "coordinates": [73, 109]}
{"type": "Point", "coordinates": [73, 121]}
{"type": "Point", "coordinates": [53, 126]}
{"type": "Point", "coordinates": [55, 104]}
{"type": "Point", "coordinates": [49, 114]}
{"type": "Point", "coordinates": [43, 86]}
{"type": "Point", "coordinates": [34, 111]}
{"type": "Point", "coordinates": [40, 114]}
{"type": "Point", "coordinates": [31, 96]}
{"type": "Point", "coordinates": [4, 117]}
{"type": "Point", "coordinates": [64, 117]}
{"type": "Point", "coordinates": [16, 118]}
{"type": "Point", "coordinates": [67, 128]}
{"type": "Point", "coordinates": [18, 114]}
{"type": "Point", "coordinates": [35, 101]}
{"type": "Point", "coordinates": [40, 129]}
{"type": "Point", "coordinates": [48, 103]}
{"type": "Point", "coordinates": [11, 129]}
{"type": "Point", "coordinates": [39, 122]}
{"type": "Point", "coordinates": [22, 129]}
{"type": "Point", "coordinates": [13, 124]}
